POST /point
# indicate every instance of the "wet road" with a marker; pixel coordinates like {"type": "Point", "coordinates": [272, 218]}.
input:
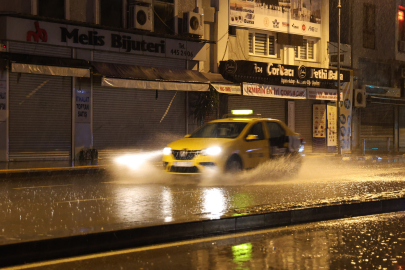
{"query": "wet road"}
{"type": "Point", "coordinates": [53, 207]}
{"type": "Point", "coordinates": [372, 242]}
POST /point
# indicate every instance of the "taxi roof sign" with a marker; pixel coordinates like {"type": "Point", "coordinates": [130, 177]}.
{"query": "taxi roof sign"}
{"type": "Point", "coordinates": [241, 112]}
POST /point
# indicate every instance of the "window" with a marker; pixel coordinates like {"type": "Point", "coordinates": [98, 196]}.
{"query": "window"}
{"type": "Point", "coordinates": [257, 129]}
{"type": "Point", "coordinates": [262, 44]}
{"type": "Point", "coordinates": [219, 130]}
{"type": "Point", "coordinates": [275, 130]}
{"type": "Point", "coordinates": [306, 51]}
{"type": "Point", "coordinates": [111, 13]}
{"type": "Point", "coordinates": [164, 16]}
{"type": "Point", "coordinates": [369, 26]}
{"type": "Point", "coordinates": [51, 8]}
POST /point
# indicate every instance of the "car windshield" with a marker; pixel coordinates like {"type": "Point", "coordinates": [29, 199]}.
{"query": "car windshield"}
{"type": "Point", "coordinates": [219, 130]}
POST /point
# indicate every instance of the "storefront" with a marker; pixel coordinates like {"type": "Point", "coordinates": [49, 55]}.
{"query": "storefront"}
{"type": "Point", "coordinates": [294, 94]}
{"type": "Point", "coordinates": [380, 120]}
{"type": "Point", "coordinates": [55, 108]}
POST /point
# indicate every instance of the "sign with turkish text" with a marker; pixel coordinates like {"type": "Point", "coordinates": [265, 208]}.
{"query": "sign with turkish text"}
{"type": "Point", "coordinates": [301, 17]}
{"type": "Point", "coordinates": [323, 94]}
{"type": "Point", "coordinates": [274, 91]}
{"type": "Point", "coordinates": [279, 74]}
{"type": "Point", "coordinates": [332, 118]}
{"type": "Point", "coordinates": [33, 31]}
{"type": "Point", "coordinates": [228, 89]}
{"type": "Point", "coordinates": [319, 120]}
{"type": "Point", "coordinates": [83, 105]}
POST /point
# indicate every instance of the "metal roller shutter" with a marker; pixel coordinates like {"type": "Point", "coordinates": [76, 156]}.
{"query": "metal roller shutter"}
{"type": "Point", "coordinates": [40, 117]}
{"type": "Point", "coordinates": [138, 60]}
{"type": "Point", "coordinates": [267, 107]}
{"type": "Point", "coordinates": [377, 125]}
{"type": "Point", "coordinates": [39, 49]}
{"type": "Point", "coordinates": [303, 121]}
{"type": "Point", "coordinates": [129, 119]}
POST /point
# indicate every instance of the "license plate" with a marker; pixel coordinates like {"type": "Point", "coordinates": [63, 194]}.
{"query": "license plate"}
{"type": "Point", "coordinates": [183, 164]}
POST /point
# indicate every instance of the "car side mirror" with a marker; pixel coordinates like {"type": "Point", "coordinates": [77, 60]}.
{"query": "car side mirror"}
{"type": "Point", "coordinates": [187, 136]}
{"type": "Point", "coordinates": [252, 137]}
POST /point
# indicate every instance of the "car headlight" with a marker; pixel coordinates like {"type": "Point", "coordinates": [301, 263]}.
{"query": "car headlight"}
{"type": "Point", "coordinates": [211, 151]}
{"type": "Point", "coordinates": [167, 151]}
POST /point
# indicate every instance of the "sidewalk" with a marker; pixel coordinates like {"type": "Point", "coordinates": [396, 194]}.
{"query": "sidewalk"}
{"type": "Point", "coordinates": [48, 168]}
{"type": "Point", "coordinates": [368, 157]}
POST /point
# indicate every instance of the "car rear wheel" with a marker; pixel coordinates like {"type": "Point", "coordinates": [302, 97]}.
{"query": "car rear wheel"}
{"type": "Point", "coordinates": [234, 165]}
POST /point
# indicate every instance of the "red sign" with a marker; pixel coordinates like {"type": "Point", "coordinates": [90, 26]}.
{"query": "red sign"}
{"type": "Point", "coordinates": [40, 34]}
{"type": "Point", "coordinates": [303, 27]}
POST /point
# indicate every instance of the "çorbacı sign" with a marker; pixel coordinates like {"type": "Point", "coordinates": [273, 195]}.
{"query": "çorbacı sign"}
{"type": "Point", "coordinates": [279, 74]}
{"type": "Point", "coordinates": [26, 30]}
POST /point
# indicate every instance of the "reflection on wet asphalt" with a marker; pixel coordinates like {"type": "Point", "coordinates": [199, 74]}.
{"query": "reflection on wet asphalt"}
{"type": "Point", "coordinates": [373, 242]}
{"type": "Point", "coordinates": [52, 207]}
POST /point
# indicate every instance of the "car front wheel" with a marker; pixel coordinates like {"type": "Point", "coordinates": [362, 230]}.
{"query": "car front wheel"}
{"type": "Point", "coordinates": [234, 165]}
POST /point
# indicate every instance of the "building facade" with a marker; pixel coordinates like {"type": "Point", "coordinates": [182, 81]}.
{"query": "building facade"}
{"type": "Point", "coordinates": [278, 52]}
{"type": "Point", "coordinates": [374, 32]}
{"type": "Point", "coordinates": [108, 75]}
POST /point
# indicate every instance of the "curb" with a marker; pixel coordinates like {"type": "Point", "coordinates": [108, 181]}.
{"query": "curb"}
{"type": "Point", "coordinates": [57, 248]}
{"type": "Point", "coordinates": [42, 172]}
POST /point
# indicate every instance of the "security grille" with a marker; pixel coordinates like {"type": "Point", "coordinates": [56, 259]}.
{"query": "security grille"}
{"type": "Point", "coordinates": [40, 117]}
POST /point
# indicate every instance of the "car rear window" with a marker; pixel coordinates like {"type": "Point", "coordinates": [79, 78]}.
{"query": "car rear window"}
{"type": "Point", "coordinates": [219, 130]}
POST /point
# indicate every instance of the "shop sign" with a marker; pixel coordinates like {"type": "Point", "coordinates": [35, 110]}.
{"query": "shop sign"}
{"type": "Point", "coordinates": [274, 91]}
{"type": "Point", "coordinates": [288, 75]}
{"type": "Point", "coordinates": [294, 17]}
{"type": "Point", "coordinates": [323, 94]}
{"type": "Point", "coordinates": [227, 89]}
{"type": "Point", "coordinates": [331, 131]}
{"type": "Point", "coordinates": [83, 106]}
{"type": "Point", "coordinates": [319, 121]}
{"type": "Point", "coordinates": [27, 30]}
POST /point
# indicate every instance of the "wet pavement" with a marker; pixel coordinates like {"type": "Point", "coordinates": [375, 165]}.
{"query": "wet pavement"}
{"type": "Point", "coordinates": [39, 208]}
{"type": "Point", "coordinates": [372, 242]}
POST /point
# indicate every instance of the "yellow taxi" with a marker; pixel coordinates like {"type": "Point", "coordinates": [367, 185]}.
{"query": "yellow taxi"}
{"type": "Point", "coordinates": [231, 145]}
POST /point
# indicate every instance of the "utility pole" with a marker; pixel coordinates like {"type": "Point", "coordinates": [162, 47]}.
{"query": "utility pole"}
{"type": "Point", "coordinates": [339, 149]}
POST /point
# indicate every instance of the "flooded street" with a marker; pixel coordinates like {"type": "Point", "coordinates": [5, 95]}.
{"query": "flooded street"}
{"type": "Point", "coordinates": [39, 208]}
{"type": "Point", "coordinates": [372, 242]}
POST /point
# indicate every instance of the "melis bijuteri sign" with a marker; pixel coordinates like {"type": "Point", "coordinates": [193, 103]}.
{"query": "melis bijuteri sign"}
{"type": "Point", "coordinates": [41, 32]}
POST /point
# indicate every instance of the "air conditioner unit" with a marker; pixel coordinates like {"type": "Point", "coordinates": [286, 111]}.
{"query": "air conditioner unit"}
{"type": "Point", "coordinates": [360, 98]}
{"type": "Point", "coordinates": [401, 46]}
{"type": "Point", "coordinates": [193, 23]}
{"type": "Point", "coordinates": [141, 16]}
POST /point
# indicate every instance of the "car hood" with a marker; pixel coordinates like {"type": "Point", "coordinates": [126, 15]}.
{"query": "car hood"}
{"type": "Point", "coordinates": [198, 143]}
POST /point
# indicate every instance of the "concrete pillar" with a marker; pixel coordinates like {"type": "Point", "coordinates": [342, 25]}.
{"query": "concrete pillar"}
{"type": "Point", "coordinates": [323, 43]}
{"type": "Point", "coordinates": [221, 32]}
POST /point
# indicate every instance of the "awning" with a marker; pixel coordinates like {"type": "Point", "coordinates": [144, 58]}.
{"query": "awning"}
{"type": "Point", "coordinates": [399, 101]}
{"type": "Point", "coordinates": [37, 64]}
{"type": "Point", "coordinates": [148, 73]}
{"type": "Point", "coordinates": [50, 70]}
{"type": "Point", "coordinates": [154, 85]}
{"type": "Point", "coordinates": [140, 77]}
